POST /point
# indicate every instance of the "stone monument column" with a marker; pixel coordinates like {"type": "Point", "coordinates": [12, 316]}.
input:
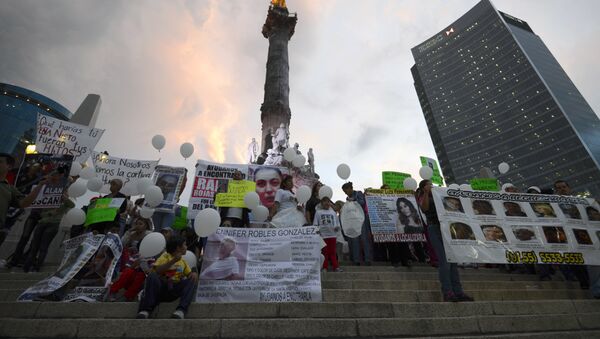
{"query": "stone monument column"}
{"type": "Point", "coordinates": [275, 109]}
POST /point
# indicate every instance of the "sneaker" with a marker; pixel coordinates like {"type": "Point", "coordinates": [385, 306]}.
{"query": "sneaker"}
{"type": "Point", "coordinates": [178, 314]}
{"type": "Point", "coordinates": [142, 315]}
{"type": "Point", "coordinates": [450, 297]}
{"type": "Point", "coordinates": [338, 270]}
{"type": "Point", "coordinates": [463, 297]}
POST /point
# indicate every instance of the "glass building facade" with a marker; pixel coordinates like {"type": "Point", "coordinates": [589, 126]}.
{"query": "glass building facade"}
{"type": "Point", "coordinates": [18, 117]}
{"type": "Point", "coordinates": [492, 92]}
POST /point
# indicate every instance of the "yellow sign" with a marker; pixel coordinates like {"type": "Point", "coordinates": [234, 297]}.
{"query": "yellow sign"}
{"type": "Point", "coordinates": [236, 190]}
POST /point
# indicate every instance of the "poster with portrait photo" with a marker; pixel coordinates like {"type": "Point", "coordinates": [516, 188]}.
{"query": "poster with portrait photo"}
{"type": "Point", "coordinates": [36, 167]}
{"type": "Point", "coordinates": [171, 181]}
{"type": "Point", "coordinates": [484, 227]}
{"type": "Point", "coordinates": [394, 217]}
{"type": "Point", "coordinates": [261, 265]}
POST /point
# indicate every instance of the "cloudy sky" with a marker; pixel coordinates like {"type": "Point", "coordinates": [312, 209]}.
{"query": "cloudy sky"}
{"type": "Point", "coordinates": [194, 71]}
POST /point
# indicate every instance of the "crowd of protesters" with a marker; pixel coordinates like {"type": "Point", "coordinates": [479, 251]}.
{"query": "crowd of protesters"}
{"type": "Point", "coordinates": [167, 276]}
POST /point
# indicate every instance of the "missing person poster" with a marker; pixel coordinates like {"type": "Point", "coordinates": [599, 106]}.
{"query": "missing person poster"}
{"type": "Point", "coordinates": [85, 272]}
{"type": "Point", "coordinates": [171, 181]}
{"type": "Point", "coordinates": [60, 137]}
{"type": "Point", "coordinates": [261, 265]}
{"type": "Point", "coordinates": [37, 167]}
{"type": "Point", "coordinates": [494, 227]}
{"type": "Point", "coordinates": [394, 216]}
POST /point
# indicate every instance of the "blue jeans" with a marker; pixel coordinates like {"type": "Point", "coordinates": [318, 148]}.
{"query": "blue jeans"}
{"type": "Point", "coordinates": [448, 272]}
{"type": "Point", "coordinates": [157, 290]}
{"type": "Point", "coordinates": [355, 243]}
{"type": "Point", "coordinates": [162, 220]}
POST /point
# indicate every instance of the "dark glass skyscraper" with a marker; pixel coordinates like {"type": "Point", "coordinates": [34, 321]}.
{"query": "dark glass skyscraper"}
{"type": "Point", "coordinates": [491, 91]}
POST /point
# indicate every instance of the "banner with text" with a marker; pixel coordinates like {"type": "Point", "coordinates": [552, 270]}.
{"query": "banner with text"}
{"type": "Point", "coordinates": [261, 265]}
{"type": "Point", "coordinates": [394, 180]}
{"type": "Point", "coordinates": [128, 170]}
{"type": "Point", "coordinates": [36, 167]}
{"type": "Point", "coordinates": [102, 210]}
{"type": "Point", "coordinates": [171, 181]}
{"type": "Point", "coordinates": [56, 136]}
{"type": "Point", "coordinates": [236, 190]}
{"type": "Point", "coordinates": [393, 216]}
{"type": "Point", "coordinates": [85, 271]}
{"type": "Point", "coordinates": [494, 227]}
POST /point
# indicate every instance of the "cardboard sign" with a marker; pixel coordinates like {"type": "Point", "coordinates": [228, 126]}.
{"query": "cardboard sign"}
{"type": "Point", "coordinates": [104, 209]}
{"type": "Point", "coordinates": [485, 184]}
{"type": "Point", "coordinates": [395, 180]}
{"type": "Point", "coordinates": [236, 190]}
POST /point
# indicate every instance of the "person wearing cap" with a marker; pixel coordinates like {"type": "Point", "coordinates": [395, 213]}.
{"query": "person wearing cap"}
{"type": "Point", "coordinates": [534, 190]}
{"type": "Point", "coordinates": [365, 233]}
{"type": "Point", "coordinates": [510, 188]}
{"type": "Point", "coordinates": [10, 196]}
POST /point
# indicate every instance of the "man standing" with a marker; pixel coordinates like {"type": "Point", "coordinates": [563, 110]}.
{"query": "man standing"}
{"type": "Point", "coordinates": [365, 234]}
{"type": "Point", "coordinates": [10, 196]}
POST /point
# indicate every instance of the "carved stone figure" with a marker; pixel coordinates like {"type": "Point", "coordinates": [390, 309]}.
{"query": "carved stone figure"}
{"type": "Point", "coordinates": [311, 160]}
{"type": "Point", "coordinates": [280, 138]}
{"type": "Point", "coordinates": [252, 151]}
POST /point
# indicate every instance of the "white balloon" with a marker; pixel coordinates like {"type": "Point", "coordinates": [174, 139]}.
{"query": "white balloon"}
{"type": "Point", "coordinates": [75, 216]}
{"type": "Point", "coordinates": [299, 161]}
{"type": "Point", "coordinates": [77, 188]}
{"type": "Point", "coordinates": [465, 187]}
{"type": "Point", "coordinates": [152, 244]}
{"type": "Point", "coordinates": [343, 171]}
{"type": "Point", "coordinates": [105, 189]}
{"type": "Point", "coordinates": [206, 222]}
{"type": "Point", "coordinates": [94, 184]}
{"type": "Point", "coordinates": [251, 200]}
{"type": "Point", "coordinates": [143, 184]}
{"type": "Point", "coordinates": [503, 167]}
{"type": "Point", "coordinates": [454, 186]}
{"type": "Point", "coordinates": [260, 213]}
{"type": "Point", "coordinates": [75, 169]}
{"type": "Point", "coordinates": [191, 259]}
{"type": "Point", "coordinates": [410, 184]}
{"type": "Point", "coordinates": [186, 150]}
{"type": "Point", "coordinates": [88, 172]}
{"type": "Point", "coordinates": [426, 172]}
{"type": "Point", "coordinates": [325, 191]}
{"type": "Point", "coordinates": [154, 196]}
{"type": "Point", "coordinates": [303, 194]}
{"type": "Point", "coordinates": [146, 212]}
{"type": "Point", "coordinates": [158, 142]}
{"type": "Point", "coordinates": [289, 154]}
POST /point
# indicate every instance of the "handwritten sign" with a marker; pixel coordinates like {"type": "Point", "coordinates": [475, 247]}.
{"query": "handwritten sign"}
{"type": "Point", "coordinates": [128, 170]}
{"type": "Point", "coordinates": [236, 190]}
{"type": "Point", "coordinates": [485, 184]}
{"type": "Point", "coordinates": [394, 180]}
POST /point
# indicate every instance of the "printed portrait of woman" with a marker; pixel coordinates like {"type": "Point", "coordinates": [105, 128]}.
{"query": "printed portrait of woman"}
{"type": "Point", "coordinates": [582, 236]}
{"type": "Point", "coordinates": [570, 211]}
{"type": "Point", "coordinates": [461, 231]}
{"type": "Point", "coordinates": [513, 209]}
{"type": "Point", "coordinates": [483, 207]}
{"type": "Point", "coordinates": [555, 235]}
{"type": "Point", "coordinates": [592, 213]}
{"type": "Point", "coordinates": [268, 180]}
{"type": "Point", "coordinates": [543, 210]}
{"type": "Point", "coordinates": [493, 233]}
{"type": "Point", "coordinates": [452, 204]}
{"type": "Point", "coordinates": [408, 217]}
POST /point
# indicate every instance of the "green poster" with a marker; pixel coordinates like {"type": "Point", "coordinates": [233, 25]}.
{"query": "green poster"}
{"type": "Point", "coordinates": [180, 218]}
{"type": "Point", "coordinates": [485, 184]}
{"type": "Point", "coordinates": [101, 210]}
{"type": "Point", "coordinates": [437, 177]}
{"type": "Point", "coordinates": [395, 180]}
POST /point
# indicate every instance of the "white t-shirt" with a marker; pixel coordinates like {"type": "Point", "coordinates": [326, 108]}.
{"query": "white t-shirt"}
{"type": "Point", "coordinates": [286, 199]}
{"type": "Point", "coordinates": [328, 221]}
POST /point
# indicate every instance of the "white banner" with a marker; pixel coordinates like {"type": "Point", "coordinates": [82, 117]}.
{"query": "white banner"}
{"type": "Point", "coordinates": [55, 136]}
{"type": "Point", "coordinates": [394, 216]}
{"type": "Point", "coordinates": [128, 170]}
{"type": "Point", "coordinates": [494, 227]}
{"type": "Point", "coordinates": [261, 265]}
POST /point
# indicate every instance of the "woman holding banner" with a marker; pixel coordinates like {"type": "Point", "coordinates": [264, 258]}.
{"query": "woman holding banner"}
{"type": "Point", "coordinates": [448, 272]}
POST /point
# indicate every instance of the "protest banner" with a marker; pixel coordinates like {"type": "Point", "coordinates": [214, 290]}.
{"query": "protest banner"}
{"type": "Point", "coordinates": [36, 167]}
{"type": "Point", "coordinates": [85, 272]}
{"type": "Point", "coordinates": [394, 180]}
{"type": "Point", "coordinates": [101, 210]}
{"type": "Point", "coordinates": [128, 170]}
{"type": "Point", "coordinates": [236, 190]}
{"type": "Point", "coordinates": [484, 184]}
{"type": "Point", "coordinates": [171, 181]}
{"type": "Point", "coordinates": [394, 216]}
{"type": "Point", "coordinates": [212, 178]}
{"type": "Point", "coordinates": [181, 221]}
{"type": "Point", "coordinates": [60, 137]}
{"type": "Point", "coordinates": [514, 228]}
{"type": "Point", "coordinates": [437, 177]}
{"type": "Point", "coordinates": [261, 265]}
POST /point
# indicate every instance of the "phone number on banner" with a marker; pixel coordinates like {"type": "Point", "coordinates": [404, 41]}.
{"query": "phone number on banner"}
{"type": "Point", "coordinates": [530, 257]}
